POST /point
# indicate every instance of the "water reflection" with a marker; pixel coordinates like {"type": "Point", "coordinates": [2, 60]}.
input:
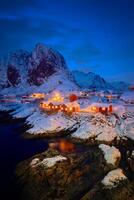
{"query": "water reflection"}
{"type": "Point", "coordinates": [63, 146]}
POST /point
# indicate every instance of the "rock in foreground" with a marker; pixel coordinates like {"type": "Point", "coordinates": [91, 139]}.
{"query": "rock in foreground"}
{"type": "Point", "coordinates": [51, 175]}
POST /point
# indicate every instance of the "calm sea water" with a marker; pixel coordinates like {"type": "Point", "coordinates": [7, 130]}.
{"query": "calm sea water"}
{"type": "Point", "coordinates": [13, 149]}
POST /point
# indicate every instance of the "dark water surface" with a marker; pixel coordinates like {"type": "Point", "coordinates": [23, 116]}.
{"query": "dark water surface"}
{"type": "Point", "coordinates": [14, 148]}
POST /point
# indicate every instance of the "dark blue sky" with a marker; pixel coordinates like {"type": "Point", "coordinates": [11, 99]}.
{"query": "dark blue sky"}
{"type": "Point", "coordinates": [93, 35]}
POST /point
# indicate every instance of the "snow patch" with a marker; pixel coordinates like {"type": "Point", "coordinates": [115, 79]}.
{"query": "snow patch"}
{"type": "Point", "coordinates": [111, 154]}
{"type": "Point", "coordinates": [98, 127]}
{"type": "Point", "coordinates": [113, 178]}
{"type": "Point", "coordinates": [43, 123]}
{"type": "Point", "coordinates": [47, 162]}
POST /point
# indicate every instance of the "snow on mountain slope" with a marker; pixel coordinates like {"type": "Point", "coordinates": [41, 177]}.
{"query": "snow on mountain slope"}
{"type": "Point", "coordinates": [120, 86]}
{"type": "Point", "coordinates": [90, 81]}
{"type": "Point", "coordinates": [43, 67]}
{"type": "Point", "coordinates": [93, 81]}
{"type": "Point", "coordinates": [58, 82]}
{"type": "Point", "coordinates": [128, 97]}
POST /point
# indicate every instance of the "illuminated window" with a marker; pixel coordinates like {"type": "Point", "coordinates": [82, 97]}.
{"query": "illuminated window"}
{"type": "Point", "coordinates": [103, 108]}
{"type": "Point", "coordinates": [94, 108]}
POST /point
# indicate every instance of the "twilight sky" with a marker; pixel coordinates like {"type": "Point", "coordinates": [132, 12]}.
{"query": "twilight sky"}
{"type": "Point", "coordinates": [92, 35]}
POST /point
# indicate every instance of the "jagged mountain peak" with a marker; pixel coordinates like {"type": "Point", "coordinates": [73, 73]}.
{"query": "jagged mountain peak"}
{"type": "Point", "coordinates": [33, 68]}
{"type": "Point", "coordinates": [42, 52]}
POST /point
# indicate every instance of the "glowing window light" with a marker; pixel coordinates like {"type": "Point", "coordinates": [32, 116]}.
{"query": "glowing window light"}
{"type": "Point", "coordinates": [94, 108]}
{"type": "Point", "coordinates": [70, 108]}
{"type": "Point", "coordinates": [57, 97]}
{"type": "Point", "coordinates": [109, 96]}
{"type": "Point", "coordinates": [103, 108]}
{"type": "Point", "coordinates": [56, 106]}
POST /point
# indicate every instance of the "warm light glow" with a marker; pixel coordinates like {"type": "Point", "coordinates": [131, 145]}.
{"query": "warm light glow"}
{"type": "Point", "coordinates": [70, 108]}
{"type": "Point", "coordinates": [63, 146]}
{"type": "Point", "coordinates": [57, 97]}
{"type": "Point", "coordinates": [37, 95]}
{"type": "Point", "coordinates": [103, 108]}
{"type": "Point", "coordinates": [94, 108]}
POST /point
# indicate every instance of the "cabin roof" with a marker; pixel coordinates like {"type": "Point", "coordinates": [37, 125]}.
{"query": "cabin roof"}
{"type": "Point", "coordinates": [74, 104]}
{"type": "Point", "coordinates": [52, 102]}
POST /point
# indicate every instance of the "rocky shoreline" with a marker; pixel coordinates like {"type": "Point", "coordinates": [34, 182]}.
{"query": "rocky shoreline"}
{"type": "Point", "coordinates": [79, 175]}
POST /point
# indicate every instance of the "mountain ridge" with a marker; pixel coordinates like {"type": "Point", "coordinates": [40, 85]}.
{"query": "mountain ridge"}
{"type": "Point", "coordinates": [94, 81]}
{"type": "Point", "coordinates": [45, 65]}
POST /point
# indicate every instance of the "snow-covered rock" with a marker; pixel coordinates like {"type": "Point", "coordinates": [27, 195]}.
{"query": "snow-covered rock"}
{"type": "Point", "coordinates": [111, 154]}
{"type": "Point", "coordinates": [49, 124]}
{"type": "Point", "coordinates": [99, 127]}
{"type": "Point", "coordinates": [107, 135]}
{"type": "Point", "coordinates": [129, 130]}
{"type": "Point", "coordinates": [113, 178]}
{"type": "Point", "coordinates": [34, 162]}
{"type": "Point", "coordinates": [24, 111]}
{"type": "Point", "coordinates": [47, 162]}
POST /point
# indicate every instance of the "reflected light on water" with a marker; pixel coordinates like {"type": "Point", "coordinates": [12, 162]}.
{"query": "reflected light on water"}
{"type": "Point", "coordinates": [63, 146]}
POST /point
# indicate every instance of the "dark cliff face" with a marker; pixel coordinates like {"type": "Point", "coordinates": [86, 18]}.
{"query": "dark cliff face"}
{"type": "Point", "coordinates": [40, 73]}
{"type": "Point", "coordinates": [33, 68]}
{"type": "Point", "coordinates": [13, 75]}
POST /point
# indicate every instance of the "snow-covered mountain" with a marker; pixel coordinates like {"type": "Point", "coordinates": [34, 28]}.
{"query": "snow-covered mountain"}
{"type": "Point", "coordinates": [90, 81]}
{"type": "Point", "coordinates": [120, 86]}
{"type": "Point", "coordinates": [94, 81]}
{"type": "Point", "coordinates": [37, 68]}
{"type": "Point", "coordinates": [45, 69]}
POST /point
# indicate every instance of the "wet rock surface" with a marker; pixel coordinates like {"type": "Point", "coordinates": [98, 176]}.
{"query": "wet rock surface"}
{"type": "Point", "coordinates": [79, 176]}
{"type": "Point", "coordinates": [124, 191]}
{"type": "Point", "coordinates": [67, 179]}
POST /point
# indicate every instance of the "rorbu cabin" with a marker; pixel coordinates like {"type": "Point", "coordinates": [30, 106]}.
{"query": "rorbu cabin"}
{"type": "Point", "coordinates": [73, 107]}
{"type": "Point", "coordinates": [57, 106]}
{"type": "Point", "coordinates": [56, 103]}
{"type": "Point", "coordinates": [101, 107]}
{"type": "Point", "coordinates": [38, 95]}
{"type": "Point", "coordinates": [111, 97]}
